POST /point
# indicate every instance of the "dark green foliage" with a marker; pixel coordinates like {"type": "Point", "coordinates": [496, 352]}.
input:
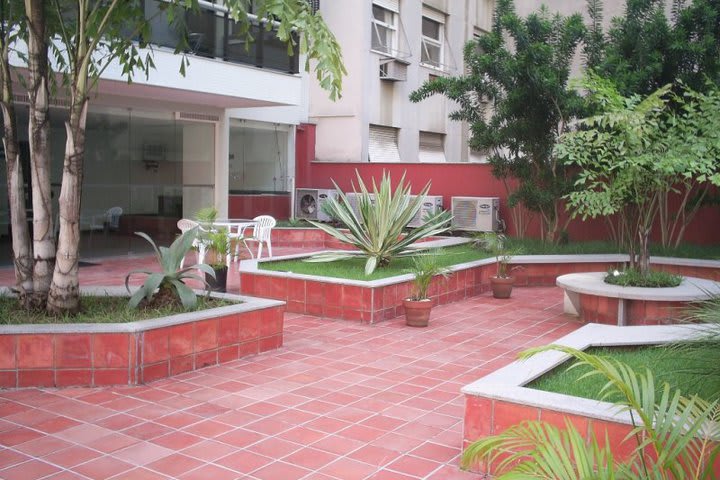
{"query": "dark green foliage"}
{"type": "Point", "coordinates": [645, 49]}
{"type": "Point", "coordinates": [516, 100]}
{"type": "Point", "coordinates": [653, 279]}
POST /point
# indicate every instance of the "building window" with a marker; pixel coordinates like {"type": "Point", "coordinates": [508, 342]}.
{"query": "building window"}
{"type": "Point", "coordinates": [383, 144]}
{"type": "Point", "coordinates": [433, 37]}
{"type": "Point", "coordinates": [432, 147]}
{"type": "Point", "coordinates": [384, 27]}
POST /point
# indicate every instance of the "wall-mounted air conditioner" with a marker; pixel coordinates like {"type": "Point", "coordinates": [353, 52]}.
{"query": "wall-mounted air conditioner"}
{"type": "Point", "coordinates": [309, 203]}
{"type": "Point", "coordinates": [431, 205]}
{"type": "Point", "coordinates": [479, 214]}
{"type": "Point", "coordinates": [393, 70]}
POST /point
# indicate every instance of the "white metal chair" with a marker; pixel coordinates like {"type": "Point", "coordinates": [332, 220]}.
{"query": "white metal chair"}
{"type": "Point", "coordinates": [185, 224]}
{"type": "Point", "coordinates": [261, 233]}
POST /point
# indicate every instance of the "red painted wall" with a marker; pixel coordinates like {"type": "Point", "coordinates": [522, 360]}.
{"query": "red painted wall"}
{"type": "Point", "coordinates": [459, 179]}
{"type": "Point", "coordinates": [250, 206]}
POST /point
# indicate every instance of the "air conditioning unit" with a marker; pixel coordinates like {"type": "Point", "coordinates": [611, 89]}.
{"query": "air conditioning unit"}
{"type": "Point", "coordinates": [479, 214]}
{"type": "Point", "coordinates": [309, 203]}
{"type": "Point", "coordinates": [353, 197]}
{"type": "Point", "coordinates": [393, 70]}
{"type": "Point", "coordinates": [431, 205]}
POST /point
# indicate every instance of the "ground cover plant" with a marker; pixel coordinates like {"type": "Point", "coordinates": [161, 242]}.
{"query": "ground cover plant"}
{"type": "Point", "coordinates": [633, 278]}
{"type": "Point", "coordinates": [98, 310]}
{"type": "Point", "coordinates": [661, 360]}
{"type": "Point", "coordinates": [377, 226]}
{"type": "Point", "coordinates": [671, 437]}
{"type": "Point", "coordinates": [353, 268]}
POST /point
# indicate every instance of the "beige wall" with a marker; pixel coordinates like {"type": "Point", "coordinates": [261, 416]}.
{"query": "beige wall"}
{"type": "Point", "coordinates": [342, 127]}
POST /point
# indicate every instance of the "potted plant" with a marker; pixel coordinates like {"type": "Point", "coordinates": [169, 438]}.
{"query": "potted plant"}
{"type": "Point", "coordinates": [425, 266]}
{"type": "Point", "coordinates": [502, 282]}
{"type": "Point", "coordinates": [218, 249]}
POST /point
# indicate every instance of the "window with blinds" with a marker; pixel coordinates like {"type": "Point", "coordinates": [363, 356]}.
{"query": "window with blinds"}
{"type": "Point", "coordinates": [432, 147]}
{"type": "Point", "coordinates": [383, 144]}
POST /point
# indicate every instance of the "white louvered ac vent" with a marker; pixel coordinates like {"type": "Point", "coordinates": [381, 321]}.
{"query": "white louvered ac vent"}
{"type": "Point", "coordinates": [197, 117]}
{"type": "Point", "coordinates": [478, 214]}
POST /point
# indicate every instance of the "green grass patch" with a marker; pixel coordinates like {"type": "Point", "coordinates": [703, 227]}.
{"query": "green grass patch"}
{"type": "Point", "coordinates": [663, 362]}
{"type": "Point", "coordinates": [653, 279]}
{"type": "Point", "coordinates": [354, 268]}
{"type": "Point", "coordinates": [97, 310]}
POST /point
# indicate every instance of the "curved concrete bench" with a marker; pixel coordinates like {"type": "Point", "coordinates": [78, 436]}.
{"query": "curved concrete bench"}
{"type": "Point", "coordinates": [592, 283]}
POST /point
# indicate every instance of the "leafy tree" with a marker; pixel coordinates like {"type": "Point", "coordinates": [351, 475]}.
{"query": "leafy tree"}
{"type": "Point", "coordinates": [93, 34]}
{"type": "Point", "coordinates": [638, 149]}
{"type": "Point", "coordinates": [515, 97]}
{"type": "Point", "coordinates": [645, 49]}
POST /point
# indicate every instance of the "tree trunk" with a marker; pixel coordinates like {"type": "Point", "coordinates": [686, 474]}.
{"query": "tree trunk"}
{"type": "Point", "coordinates": [65, 289]}
{"type": "Point", "coordinates": [22, 255]}
{"type": "Point", "coordinates": [39, 133]}
{"type": "Point", "coordinates": [643, 264]}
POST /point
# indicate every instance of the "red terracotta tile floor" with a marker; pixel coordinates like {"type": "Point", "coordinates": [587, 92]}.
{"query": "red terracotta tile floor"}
{"type": "Point", "coordinates": [338, 401]}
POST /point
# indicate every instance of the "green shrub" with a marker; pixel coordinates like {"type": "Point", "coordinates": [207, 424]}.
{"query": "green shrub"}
{"type": "Point", "coordinates": [169, 282]}
{"type": "Point", "coordinates": [633, 278]}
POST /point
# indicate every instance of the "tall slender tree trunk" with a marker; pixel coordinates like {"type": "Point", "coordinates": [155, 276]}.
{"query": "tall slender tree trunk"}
{"type": "Point", "coordinates": [39, 134]}
{"type": "Point", "coordinates": [65, 289]}
{"type": "Point", "coordinates": [22, 253]}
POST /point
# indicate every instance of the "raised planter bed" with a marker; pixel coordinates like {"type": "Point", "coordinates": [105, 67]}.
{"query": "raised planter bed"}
{"type": "Point", "coordinates": [589, 297]}
{"type": "Point", "coordinates": [500, 400]}
{"type": "Point", "coordinates": [378, 300]}
{"type": "Point", "coordinates": [137, 352]}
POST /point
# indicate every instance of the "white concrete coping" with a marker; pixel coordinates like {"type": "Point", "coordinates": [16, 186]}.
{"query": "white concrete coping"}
{"type": "Point", "coordinates": [585, 258]}
{"type": "Point", "coordinates": [245, 304]}
{"type": "Point", "coordinates": [592, 283]}
{"type": "Point", "coordinates": [507, 383]}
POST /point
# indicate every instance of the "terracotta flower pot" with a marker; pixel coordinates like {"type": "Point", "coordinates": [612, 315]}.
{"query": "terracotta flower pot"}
{"type": "Point", "coordinates": [502, 287]}
{"type": "Point", "coordinates": [417, 312]}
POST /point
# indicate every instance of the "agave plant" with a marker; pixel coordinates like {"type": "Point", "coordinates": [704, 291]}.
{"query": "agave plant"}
{"type": "Point", "coordinates": [171, 279]}
{"type": "Point", "coordinates": [675, 437]}
{"type": "Point", "coordinates": [377, 228]}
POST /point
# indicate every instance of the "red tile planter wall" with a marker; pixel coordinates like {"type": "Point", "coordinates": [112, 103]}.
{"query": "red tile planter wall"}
{"type": "Point", "coordinates": [598, 309]}
{"type": "Point", "coordinates": [487, 416]}
{"type": "Point", "coordinates": [368, 303]}
{"type": "Point", "coordinates": [133, 357]}
{"type": "Point", "coordinates": [382, 300]}
{"type": "Point", "coordinates": [500, 399]}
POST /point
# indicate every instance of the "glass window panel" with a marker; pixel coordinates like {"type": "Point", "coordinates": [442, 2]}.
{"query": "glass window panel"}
{"type": "Point", "coordinates": [258, 159]}
{"type": "Point", "coordinates": [430, 54]}
{"type": "Point", "coordinates": [382, 14]}
{"type": "Point", "coordinates": [431, 28]}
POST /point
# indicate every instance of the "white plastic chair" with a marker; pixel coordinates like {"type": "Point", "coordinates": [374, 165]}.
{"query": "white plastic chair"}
{"type": "Point", "coordinates": [185, 224]}
{"type": "Point", "coordinates": [110, 220]}
{"type": "Point", "coordinates": [261, 233]}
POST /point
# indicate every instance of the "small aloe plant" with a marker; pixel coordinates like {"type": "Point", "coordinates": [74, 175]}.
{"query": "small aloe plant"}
{"type": "Point", "coordinates": [171, 278]}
